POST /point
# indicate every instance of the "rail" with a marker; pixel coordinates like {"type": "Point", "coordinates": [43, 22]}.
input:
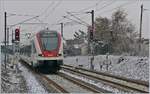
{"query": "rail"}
{"type": "Point", "coordinates": [122, 83]}
{"type": "Point", "coordinates": [84, 84]}
{"type": "Point", "coordinates": [48, 83]}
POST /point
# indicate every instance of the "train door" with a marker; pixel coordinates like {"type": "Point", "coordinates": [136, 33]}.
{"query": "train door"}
{"type": "Point", "coordinates": [33, 54]}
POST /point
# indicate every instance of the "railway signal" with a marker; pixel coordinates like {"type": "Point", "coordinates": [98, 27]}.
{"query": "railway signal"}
{"type": "Point", "coordinates": [91, 28]}
{"type": "Point", "coordinates": [91, 34]}
{"type": "Point", "coordinates": [17, 34]}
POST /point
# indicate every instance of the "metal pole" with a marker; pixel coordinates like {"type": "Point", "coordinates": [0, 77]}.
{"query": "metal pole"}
{"type": "Point", "coordinates": [7, 36]}
{"type": "Point", "coordinates": [140, 34]}
{"type": "Point", "coordinates": [92, 21]}
{"type": "Point", "coordinates": [7, 44]}
{"type": "Point", "coordinates": [61, 29]}
{"type": "Point", "coordinates": [12, 42]}
{"type": "Point", "coordinates": [92, 12]}
{"type": "Point", "coordinates": [91, 40]}
{"type": "Point", "coordinates": [5, 27]}
{"type": "Point", "coordinates": [12, 37]}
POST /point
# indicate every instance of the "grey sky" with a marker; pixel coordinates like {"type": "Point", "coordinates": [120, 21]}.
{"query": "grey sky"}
{"type": "Point", "coordinates": [58, 8]}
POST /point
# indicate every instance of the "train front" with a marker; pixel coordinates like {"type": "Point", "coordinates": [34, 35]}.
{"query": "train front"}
{"type": "Point", "coordinates": [51, 51]}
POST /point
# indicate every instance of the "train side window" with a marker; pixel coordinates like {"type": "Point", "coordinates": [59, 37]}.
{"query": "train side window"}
{"type": "Point", "coordinates": [34, 49]}
{"type": "Point", "coordinates": [29, 50]}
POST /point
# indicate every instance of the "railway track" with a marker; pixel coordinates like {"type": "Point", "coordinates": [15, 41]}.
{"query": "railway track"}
{"type": "Point", "coordinates": [83, 84]}
{"type": "Point", "coordinates": [122, 83]}
{"type": "Point", "coordinates": [49, 84]}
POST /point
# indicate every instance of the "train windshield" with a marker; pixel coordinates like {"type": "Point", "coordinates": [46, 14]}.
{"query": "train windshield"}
{"type": "Point", "coordinates": [49, 41]}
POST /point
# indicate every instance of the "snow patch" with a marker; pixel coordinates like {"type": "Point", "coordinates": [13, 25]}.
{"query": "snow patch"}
{"type": "Point", "coordinates": [128, 66]}
{"type": "Point", "coordinates": [33, 85]}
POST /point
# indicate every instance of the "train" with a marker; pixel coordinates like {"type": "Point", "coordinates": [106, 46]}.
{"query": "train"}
{"type": "Point", "coordinates": [44, 50]}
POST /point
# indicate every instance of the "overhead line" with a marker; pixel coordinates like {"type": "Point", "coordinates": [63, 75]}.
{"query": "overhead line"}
{"type": "Point", "coordinates": [112, 1]}
{"type": "Point", "coordinates": [24, 21]}
{"type": "Point", "coordinates": [80, 12]}
{"type": "Point", "coordinates": [78, 18]}
{"type": "Point", "coordinates": [14, 14]}
{"type": "Point", "coordinates": [74, 20]}
{"type": "Point", "coordinates": [117, 7]}
{"type": "Point", "coordinates": [33, 23]}
{"type": "Point", "coordinates": [53, 9]}
{"type": "Point", "coordinates": [104, 4]}
{"type": "Point", "coordinates": [52, 3]}
{"type": "Point", "coordinates": [87, 8]}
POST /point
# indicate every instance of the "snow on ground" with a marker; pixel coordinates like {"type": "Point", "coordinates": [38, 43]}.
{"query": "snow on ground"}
{"type": "Point", "coordinates": [22, 82]}
{"type": "Point", "coordinates": [12, 81]}
{"type": "Point", "coordinates": [128, 66]}
{"type": "Point", "coordinates": [98, 84]}
{"type": "Point", "coordinates": [33, 85]}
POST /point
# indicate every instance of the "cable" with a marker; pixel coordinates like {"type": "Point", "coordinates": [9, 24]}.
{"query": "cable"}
{"type": "Point", "coordinates": [59, 21]}
{"type": "Point", "coordinates": [66, 23]}
{"type": "Point", "coordinates": [52, 3]}
{"type": "Point", "coordinates": [117, 7]}
{"type": "Point", "coordinates": [81, 12]}
{"type": "Point", "coordinates": [14, 14]}
{"type": "Point", "coordinates": [24, 21]}
{"type": "Point", "coordinates": [74, 20]}
{"type": "Point", "coordinates": [106, 5]}
{"type": "Point", "coordinates": [77, 13]}
{"type": "Point", "coordinates": [33, 23]}
{"type": "Point", "coordinates": [87, 8]}
{"type": "Point", "coordinates": [53, 9]}
{"type": "Point", "coordinates": [77, 18]}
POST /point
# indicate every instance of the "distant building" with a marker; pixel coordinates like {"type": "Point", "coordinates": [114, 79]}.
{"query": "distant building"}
{"type": "Point", "coordinates": [75, 47]}
{"type": "Point", "coordinates": [74, 41]}
{"type": "Point", "coordinates": [8, 49]}
{"type": "Point", "coordinates": [84, 49]}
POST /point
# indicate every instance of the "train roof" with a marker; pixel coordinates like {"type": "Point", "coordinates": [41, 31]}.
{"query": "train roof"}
{"type": "Point", "coordinates": [47, 30]}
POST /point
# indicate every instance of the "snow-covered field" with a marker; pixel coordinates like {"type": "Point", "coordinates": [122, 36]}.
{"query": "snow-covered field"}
{"type": "Point", "coordinates": [128, 66]}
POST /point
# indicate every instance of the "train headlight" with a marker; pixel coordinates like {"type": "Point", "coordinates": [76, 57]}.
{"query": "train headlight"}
{"type": "Point", "coordinates": [59, 54]}
{"type": "Point", "coordinates": [40, 55]}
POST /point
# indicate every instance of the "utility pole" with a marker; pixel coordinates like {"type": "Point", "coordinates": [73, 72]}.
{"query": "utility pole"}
{"type": "Point", "coordinates": [140, 34]}
{"type": "Point", "coordinates": [90, 41]}
{"type": "Point", "coordinates": [92, 12]}
{"type": "Point", "coordinates": [5, 30]}
{"type": "Point", "coordinates": [12, 42]}
{"type": "Point", "coordinates": [12, 37]}
{"type": "Point", "coordinates": [7, 43]}
{"type": "Point", "coordinates": [7, 36]}
{"type": "Point", "coordinates": [92, 46]}
{"type": "Point", "coordinates": [62, 25]}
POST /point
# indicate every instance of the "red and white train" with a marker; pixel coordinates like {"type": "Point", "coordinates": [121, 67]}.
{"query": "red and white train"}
{"type": "Point", "coordinates": [44, 51]}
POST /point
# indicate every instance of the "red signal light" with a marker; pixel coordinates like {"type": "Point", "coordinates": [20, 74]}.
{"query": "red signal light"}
{"type": "Point", "coordinates": [91, 35]}
{"type": "Point", "coordinates": [17, 34]}
{"type": "Point", "coordinates": [90, 31]}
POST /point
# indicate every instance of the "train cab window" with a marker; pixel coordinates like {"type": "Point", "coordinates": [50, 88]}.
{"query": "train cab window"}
{"type": "Point", "coordinates": [49, 41]}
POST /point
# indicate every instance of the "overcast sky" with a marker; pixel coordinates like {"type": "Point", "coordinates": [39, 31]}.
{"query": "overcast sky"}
{"type": "Point", "coordinates": [51, 12]}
